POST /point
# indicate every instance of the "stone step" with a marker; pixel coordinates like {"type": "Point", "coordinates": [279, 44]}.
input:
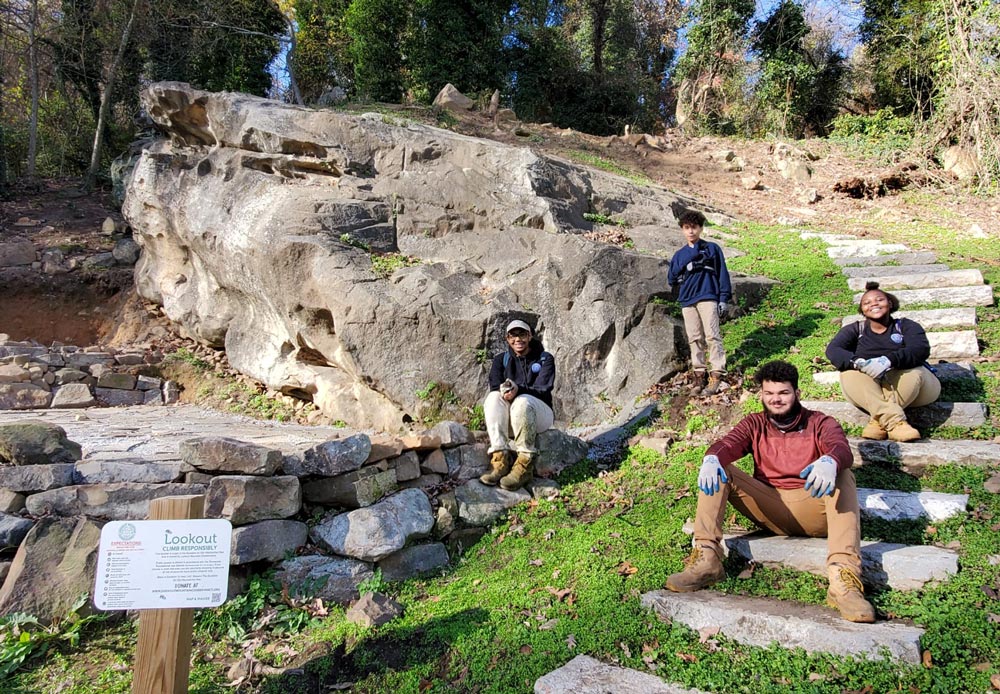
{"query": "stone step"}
{"type": "Point", "coordinates": [945, 346]}
{"type": "Point", "coordinates": [901, 567]}
{"type": "Point", "coordinates": [893, 504]}
{"type": "Point", "coordinates": [932, 319]}
{"type": "Point", "coordinates": [916, 457]}
{"type": "Point", "coordinates": [946, 371]}
{"type": "Point", "coordinates": [961, 414]}
{"type": "Point", "coordinates": [911, 258]}
{"type": "Point", "coordinates": [924, 280]}
{"type": "Point", "coordinates": [878, 271]}
{"type": "Point", "coordinates": [981, 295]}
{"type": "Point", "coordinates": [835, 252]}
{"type": "Point", "coordinates": [764, 621]}
{"type": "Point", "coordinates": [827, 238]}
{"type": "Point", "coordinates": [586, 675]}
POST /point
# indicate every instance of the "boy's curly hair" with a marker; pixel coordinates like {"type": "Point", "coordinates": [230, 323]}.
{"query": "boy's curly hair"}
{"type": "Point", "coordinates": [691, 218]}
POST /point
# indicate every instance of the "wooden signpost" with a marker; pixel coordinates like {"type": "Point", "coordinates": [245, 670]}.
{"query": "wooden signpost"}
{"type": "Point", "coordinates": [165, 567]}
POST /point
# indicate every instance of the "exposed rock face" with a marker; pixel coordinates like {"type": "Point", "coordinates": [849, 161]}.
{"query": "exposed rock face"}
{"type": "Point", "coordinates": [254, 215]}
{"type": "Point", "coordinates": [34, 442]}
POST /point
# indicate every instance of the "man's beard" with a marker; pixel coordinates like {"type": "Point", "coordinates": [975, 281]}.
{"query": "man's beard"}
{"type": "Point", "coordinates": [792, 413]}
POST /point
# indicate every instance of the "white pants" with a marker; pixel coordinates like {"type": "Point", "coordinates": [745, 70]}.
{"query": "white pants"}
{"type": "Point", "coordinates": [521, 420]}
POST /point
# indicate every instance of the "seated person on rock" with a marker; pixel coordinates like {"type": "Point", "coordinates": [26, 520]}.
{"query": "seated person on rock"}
{"type": "Point", "coordinates": [883, 366]}
{"type": "Point", "coordinates": [802, 485]}
{"type": "Point", "coordinates": [518, 407]}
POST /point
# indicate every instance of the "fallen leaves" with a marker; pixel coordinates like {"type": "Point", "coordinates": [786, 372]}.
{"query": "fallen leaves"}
{"type": "Point", "coordinates": [688, 657]}
{"type": "Point", "coordinates": [995, 681]}
{"type": "Point", "coordinates": [705, 633]}
{"type": "Point", "coordinates": [626, 569]}
{"type": "Point", "coordinates": [571, 642]}
{"type": "Point", "coordinates": [927, 659]}
{"type": "Point", "coordinates": [564, 594]}
{"type": "Point", "coordinates": [525, 650]}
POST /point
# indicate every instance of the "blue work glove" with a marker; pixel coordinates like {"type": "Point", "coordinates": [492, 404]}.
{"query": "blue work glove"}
{"type": "Point", "coordinates": [723, 307]}
{"type": "Point", "coordinates": [709, 475]}
{"type": "Point", "coordinates": [876, 368]}
{"type": "Point", "coordinates": [821, 476]}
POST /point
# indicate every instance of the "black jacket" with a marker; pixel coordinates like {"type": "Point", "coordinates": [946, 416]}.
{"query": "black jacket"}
{"type": "Point", "coordinates": [905, 343]}
{"type": "Point", "coordinates": [534, 373]}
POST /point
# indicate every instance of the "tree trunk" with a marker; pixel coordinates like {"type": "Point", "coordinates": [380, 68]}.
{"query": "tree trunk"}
{"type": "Point", "coordinates": [105, 110]}
{"type": "Point", "coordinates": [290, 62]}
{"type": "Point", "coordinates": [33, 78]}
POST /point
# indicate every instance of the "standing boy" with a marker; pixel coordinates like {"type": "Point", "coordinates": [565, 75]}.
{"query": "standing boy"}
{"type": "Point", "coordinates": [700, 270]}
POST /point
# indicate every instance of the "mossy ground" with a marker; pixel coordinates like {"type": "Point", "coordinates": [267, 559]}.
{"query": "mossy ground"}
{"type": "Point", "coordinates": [563, 577]}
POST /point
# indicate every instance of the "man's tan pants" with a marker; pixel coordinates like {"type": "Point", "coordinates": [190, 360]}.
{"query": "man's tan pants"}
{"type": "Point", "coordinates": [701, 323]}
{"type": "Point", "coordinates": [885, 400]}
{"type": "Point", "coordinates": [787, 512]}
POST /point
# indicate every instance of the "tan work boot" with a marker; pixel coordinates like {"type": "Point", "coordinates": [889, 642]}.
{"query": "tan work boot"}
{"type": "Point", "coordinates": [699, 379]}
{"type": "Point", "coordinates": [903, 432]}
{"type": "Point", "coordinates": [847, 595]}
{"type": "Point", "coordinates": [703, 568]}
{"type": "Point", "coordinates": [874, 431]}
{"type": "Point", "coordinates": [520, 473]}
{"type": "Point", "coordinates": [499, 466]}
{"type": "Point", "coordinates": [714, 384]}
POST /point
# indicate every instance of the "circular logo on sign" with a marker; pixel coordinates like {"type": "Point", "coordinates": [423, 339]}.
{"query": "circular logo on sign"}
{"type": "Point", "coordinates": [897, 338]}
{"type": "Point", "coordinates": [536, 367]}
{"type": "Point", "coordinates": [126, 531]}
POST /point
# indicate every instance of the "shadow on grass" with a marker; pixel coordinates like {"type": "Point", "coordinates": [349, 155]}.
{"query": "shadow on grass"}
{"type": "Point", "coordinates": [772, 341]}
{"type": "Point", "coordinates": [395, 650]}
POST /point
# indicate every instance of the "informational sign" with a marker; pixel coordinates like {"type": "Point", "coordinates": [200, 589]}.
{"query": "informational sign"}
{"type": "Point", "coordinates": [161, 564]}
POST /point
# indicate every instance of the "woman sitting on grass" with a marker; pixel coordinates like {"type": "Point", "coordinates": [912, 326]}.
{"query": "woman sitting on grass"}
{"type": "Point", "coordinates": [883, 366]}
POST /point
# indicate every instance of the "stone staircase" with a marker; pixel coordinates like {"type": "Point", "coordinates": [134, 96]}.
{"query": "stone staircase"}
{"type": "Point", "coordinates": [916, 278]}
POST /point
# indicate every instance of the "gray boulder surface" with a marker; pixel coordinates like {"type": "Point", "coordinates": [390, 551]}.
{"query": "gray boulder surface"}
{"type": "Point", "coordinates": [259, 223]}
{"type": "Point", "coordinates": [33, 442]}
{"type": "Point", "coordinates": [221, 454]}
{"type": "Point", "coordinates": [334, 579]}
{"type": "Point", "coordinates": [331, 458]}
{"type": "Point", "coordinates": [377, 531]}
{"type": "Point", "coordinates": [13, 529]}
{"type": "Point", "coordinates": [247, 499]}
{"type": "Point", "coordinates": [269, 540]}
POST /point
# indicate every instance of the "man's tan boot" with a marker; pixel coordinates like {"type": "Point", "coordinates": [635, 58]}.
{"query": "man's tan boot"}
{"type": "Point", "coordinates": [520, 473]}
{"type": "Point", "coordinates": [699, 379]}
{"type": "Point", "coordinates": [903, 432]}
{"type": "Point", "coordinates": [714, 384]}
{"type": "Point", "coordinates": [874, 431]}
{"type": "Point", "coordinates": [499, 466]}
{"type": "Point", "coordinates": [703, 568]}
{"type": "Point", "coordinates": [847, 595]}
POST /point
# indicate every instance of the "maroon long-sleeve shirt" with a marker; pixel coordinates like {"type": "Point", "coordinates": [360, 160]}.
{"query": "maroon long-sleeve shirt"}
{"type": "Point", "coordinates": [779, 456]}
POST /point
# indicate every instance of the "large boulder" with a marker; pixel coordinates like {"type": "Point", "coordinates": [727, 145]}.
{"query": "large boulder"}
{"type": "Point", "coordinates": [33, 442]}
{"type": "Point", "coordinates": [331, 578]}
{"type": "Point", "coordinates": [247, 499]}
{"type": "Point", "coordinates": [216, 454]}
{"type": "Point", "coordinates": [264, 227]}
{"type": "Point", "coordinates": [377, 531]}
{"type": "Point", "coordinates": [53, 567]}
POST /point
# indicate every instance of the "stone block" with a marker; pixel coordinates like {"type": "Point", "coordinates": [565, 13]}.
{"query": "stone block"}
{"type": "Point", "coordinates": [435, 462]}
{"type": "Point", "coordinates": [962, 414]}
{"type": "Point", "coordinates": [148, 383]}
{"type": "Point", "coordinates": [421, 442]}
{"type": "Point", "coordinates": [12, 373]}
{"type": "Point", "coordinates": [23, 396]}
{"type": "Point", "coordinates": [11, 501]}
{"type": "Point", "coordinates": [413, 561]}
{"type": "Point", "coordinates": [331, 458]}
{"type": "Point", "coordinates": [861, 251]}
{"type": "Point", "coordinates": [877, 272]}
{"type": "Point", "coordinates": [152, 397]}
{"type": "Point", "coordinates": [119, 501]}
{"type": "Point", "coordinates": [34, 442]}
{"type": "Point", "coordinates": [130, 359]}
{"type": "Point", "coordinates": [428, 481]}
{"type": "Point", "coordinates": [383, 447]}
{"type": "Point", "coordinates": [352, 490]}
{"type": "Point", "coordinates": [891, 259]}
{"type": "Point", "coordinates": [118, 381]}
{"type": "Point", "coordinates": [479, 504]}
{"type": "Point", "coordinates": [463, 539]}
{"type": "Point", "coordinates": [113, 397]}
{"type": "Point", "coordinates": [585, 675]}
{"type": "Point", "coordinates": [72, 395]}
{"type": "Point", "coordinates": [377, 531]}
{"type": "Point", "coordinates": [36, 478]}
{"type": "Point", "coordinates": [891, 504]}
{"type": "Point", "coordinates": [451, 434]}
{"type": "Point", "coordinates": [12, 530]}
{"type": "Point", "coordinates": [245, 499]}
{"type": "Point", "coordinates": [64, 376]}
{"type": "Point", "coordinates": [762, 622]}
{"type": "Point", "coordinates": [268, 540]}
{"type": "Point", "coordinates": [17, 253]}
{"type": "Point", "coordinates": [921, 280]}
{"type": "Point", "coordinates": [373, 610]}
{"type": "Point", "coordinates": [557, 451]}
{"type": "Point", "coordinates": [221, 454]}
{"type": "Point", "coordinates": [406, 465]}
{"type": "Point", "coordinates": [981, 295]}
{"type": "Point", "coordinates": [472, 462]}
{"type": "Point", "coordinates": [933, 319]}
{"type": "Point", "coordinates": [84, 360]}
{"type": "Point", "coordinates": [109, 472]}
{"type": "Point", "coordinates": [334, 579]}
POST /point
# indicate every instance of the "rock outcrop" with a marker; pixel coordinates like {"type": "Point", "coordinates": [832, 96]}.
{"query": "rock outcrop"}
{"type": "Point", "coordinates": [272, 230]}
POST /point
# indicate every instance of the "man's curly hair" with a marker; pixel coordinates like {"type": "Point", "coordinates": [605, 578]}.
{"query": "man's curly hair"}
{"type": "Point", "coordinates": [777, 372]}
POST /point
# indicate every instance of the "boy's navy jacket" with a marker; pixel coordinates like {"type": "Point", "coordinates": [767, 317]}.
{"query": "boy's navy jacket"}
{"type": "Point", "coordinates": [534, 373]}
{"type": "Point", "coordinates": [709, 278]}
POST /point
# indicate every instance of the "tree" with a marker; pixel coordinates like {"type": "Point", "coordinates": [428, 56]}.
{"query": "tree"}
{"type": "Point", "coordinates": [376, 28]}
{"type": "Point", "coordinates": [321, 60]}
{"type": "Point", "coordinates": [785, 89]}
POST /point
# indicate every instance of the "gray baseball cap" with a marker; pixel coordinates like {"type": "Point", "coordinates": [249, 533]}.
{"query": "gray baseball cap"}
{"type": "Point", "coordinates": [515, 324]}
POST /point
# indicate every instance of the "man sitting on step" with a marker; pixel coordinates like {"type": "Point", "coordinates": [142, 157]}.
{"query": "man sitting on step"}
{"type": "Point", "coordinates": [518, 406]}
{"type": "Point", "coordinates": [802, 484]}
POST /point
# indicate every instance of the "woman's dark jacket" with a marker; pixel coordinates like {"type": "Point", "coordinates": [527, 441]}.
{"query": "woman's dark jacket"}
{"type": "Point", "coordinates": [534, 373]}
{"type": "Point", "coordinates": [905, 343]}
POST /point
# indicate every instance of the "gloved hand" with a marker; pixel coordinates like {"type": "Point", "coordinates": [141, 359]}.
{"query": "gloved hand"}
{"type": "Point", "coordinates": [690, 267]}
{"type": "Point", "coordinates": [709, 475]}
{"type": "Point", "coordinates": [723, 307]}
{"type": "Point", "coordinates": [876, 368]}
{"type": "Point", "coordinates": [821, 476]}
{"type": "Point", "coordinates": [859, 363]}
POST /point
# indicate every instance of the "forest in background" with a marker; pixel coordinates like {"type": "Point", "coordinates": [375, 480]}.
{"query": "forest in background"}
{"type": "Point", "coordinates": [917, 75]}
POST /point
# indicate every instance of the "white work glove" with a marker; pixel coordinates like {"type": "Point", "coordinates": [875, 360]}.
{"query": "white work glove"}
{"type": "Point", "coordinates": [690, 267]}
{"type": "Point", "coordinates": [859, 363]}
{"type": "Point", "coordinates": [876, 368]}
{"type": "Point", "coordinates": [709, 475]}
{"type": "Point", "coordinates": [723, 307]}
{"type": "Point", "coordinates": [821, 476]}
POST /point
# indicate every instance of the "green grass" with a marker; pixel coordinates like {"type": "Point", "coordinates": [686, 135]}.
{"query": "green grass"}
{"type": "Point", "coordinates": [607, 165]}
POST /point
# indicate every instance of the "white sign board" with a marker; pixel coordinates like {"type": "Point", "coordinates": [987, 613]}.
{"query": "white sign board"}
{"type": "Point", "coordinates": [160, 564]}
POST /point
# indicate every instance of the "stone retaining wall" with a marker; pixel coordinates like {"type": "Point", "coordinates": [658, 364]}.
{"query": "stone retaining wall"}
{"type": "Point", "coordinates": [328, 516]}
{"type": "Point", "coordinates": [33, 376]}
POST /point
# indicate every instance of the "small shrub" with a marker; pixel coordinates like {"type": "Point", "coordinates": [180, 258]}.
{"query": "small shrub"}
{"type": "Point", "coordinates": [883, 136]}
{"type": "Point", "coordinates": [23, 637]}
{"type": "Point", "coordinates": [384, 265]}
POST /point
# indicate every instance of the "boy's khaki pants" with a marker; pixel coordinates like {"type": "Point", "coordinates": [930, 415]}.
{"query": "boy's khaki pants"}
{"type": "Point", "coordinates": [787, 512]}
{"type": "Point", "coordinates": [701, 323]}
